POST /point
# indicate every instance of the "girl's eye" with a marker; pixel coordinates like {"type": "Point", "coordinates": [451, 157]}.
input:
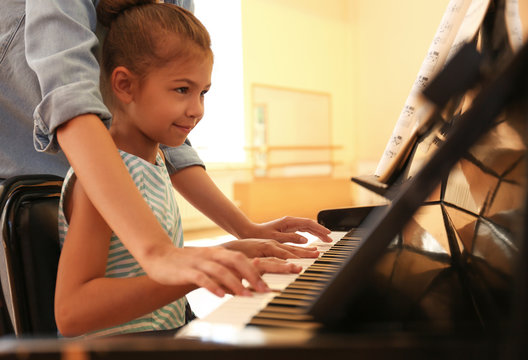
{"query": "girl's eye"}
{"type": "Point", "coordinates": [203, 92]}
{"type": "Point", "coordinates": [182, 90]}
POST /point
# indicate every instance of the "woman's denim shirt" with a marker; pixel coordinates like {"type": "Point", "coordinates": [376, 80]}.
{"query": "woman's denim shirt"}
{"type": "Point", "coordinates": [49, 74]}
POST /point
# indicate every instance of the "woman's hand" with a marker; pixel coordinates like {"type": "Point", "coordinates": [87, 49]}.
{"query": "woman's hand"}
{"type": "Point", "coordinates": [284, 230]}
{"type": "Point", "coordinates": [260, 248]}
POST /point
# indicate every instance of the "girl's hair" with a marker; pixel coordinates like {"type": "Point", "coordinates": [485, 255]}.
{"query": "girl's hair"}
{"type": "Point", "coordinates": [144, 34]}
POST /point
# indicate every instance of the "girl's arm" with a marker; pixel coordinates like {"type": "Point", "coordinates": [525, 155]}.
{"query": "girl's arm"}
{"type": "Point", "coordinates": [103, 176]}
{"type": "Point", "coordinates": [104, 302]}
{"type": "Point", "coordinates": [85, 300]}
{"type": "Point", "coordinates": [200, 190]}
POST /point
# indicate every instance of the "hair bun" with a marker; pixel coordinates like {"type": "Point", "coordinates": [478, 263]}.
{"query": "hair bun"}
{"type": "Point", "coordinates": [109, 10]}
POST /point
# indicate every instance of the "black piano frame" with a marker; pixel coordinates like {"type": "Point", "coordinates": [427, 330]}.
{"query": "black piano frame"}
{"type": "Point", "coordinates": [383, 224]}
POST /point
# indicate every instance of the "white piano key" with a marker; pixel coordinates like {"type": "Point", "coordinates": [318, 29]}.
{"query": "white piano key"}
{"type": "Point", "coordinates": [239, 310]}
{"type": "Point", "coordinates": [279, 282]}
{"type": "Point", "coordinates": [304, 262]}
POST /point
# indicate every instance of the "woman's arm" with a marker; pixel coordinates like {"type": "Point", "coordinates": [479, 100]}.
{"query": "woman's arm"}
{"type": "Point", "coordinates": [101, 171]}
{"type": "Point", "coordinates": [199, 189]}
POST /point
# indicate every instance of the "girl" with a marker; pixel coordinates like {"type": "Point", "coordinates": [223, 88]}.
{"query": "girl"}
{"type": "Point", "coordinates": [156, 69]}
{"type": "Point", "coordinates": [50, 100]}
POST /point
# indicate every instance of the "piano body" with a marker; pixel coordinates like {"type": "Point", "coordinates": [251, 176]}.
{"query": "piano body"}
{"type": "Point", "coordinates": [441, 271]}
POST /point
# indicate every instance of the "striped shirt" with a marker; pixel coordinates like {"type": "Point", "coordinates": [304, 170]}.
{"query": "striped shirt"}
{"type": "Point", "coordinates": [154, 184]}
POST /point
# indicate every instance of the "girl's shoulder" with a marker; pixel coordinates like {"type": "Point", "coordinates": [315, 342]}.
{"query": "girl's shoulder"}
{"type": "Point", "coordinates": [141, 170]}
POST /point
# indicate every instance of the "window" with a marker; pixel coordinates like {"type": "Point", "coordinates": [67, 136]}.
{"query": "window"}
{"type": "Point", "coordinates": [219, 137]}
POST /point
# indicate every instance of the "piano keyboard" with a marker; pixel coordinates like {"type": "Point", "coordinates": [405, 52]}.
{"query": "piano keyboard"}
{"type": "Point", "coordinates": [286, 304]}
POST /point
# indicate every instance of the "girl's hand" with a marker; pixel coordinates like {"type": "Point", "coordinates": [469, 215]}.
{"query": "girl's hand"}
{"type": "Point", "coordinates": [283, 230]}
{"type": "Point", "coordinates": [213, 268]}
{"type": "Point", "coordinates": [258, 248]}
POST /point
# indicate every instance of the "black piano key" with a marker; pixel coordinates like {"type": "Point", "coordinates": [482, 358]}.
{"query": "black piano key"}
{"type": "Point", "coordinates": [284, 309]}
{"type": "Point", "coordinates": [320, 272]}
{"type": "Point", "coordinates": [323, 268]}
{"type": "Point", "coordinates": [314, 277]}
{"type": "Point", "coordinates": [335, 256]}
{"type": "Point", "coordinates": [309, 279]}
{"type": "Point", "coordinates": [348, 247]}
{"type": "Point", "coordinates": [329, 261]}
{"type": "Point", "coordinates": [278, 300]}
{"type": "Point", "coordinates": [290, 290]}
{"type": "Point", "coordinates": [337, 253]}
{"type": "Point", "coordinates": [293, 296]}
{"type": "Point", "coordinates": [306, 285]}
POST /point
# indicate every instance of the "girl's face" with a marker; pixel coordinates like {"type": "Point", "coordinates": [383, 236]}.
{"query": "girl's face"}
{"type": "Point", "coordinates": [169, 102]}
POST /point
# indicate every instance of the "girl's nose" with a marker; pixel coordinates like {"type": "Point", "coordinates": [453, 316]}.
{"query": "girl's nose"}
{"type": "Point", "coordinates": [196, 108]}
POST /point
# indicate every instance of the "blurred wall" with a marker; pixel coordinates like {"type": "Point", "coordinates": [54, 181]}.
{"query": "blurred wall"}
{"type": "Point", "coordinates": [364, 53]}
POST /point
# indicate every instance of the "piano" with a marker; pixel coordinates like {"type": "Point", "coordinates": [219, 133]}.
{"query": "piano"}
{"type": "Point", "coordinates": [439, 272]}
{"type": "Point", "coordinates": [441, 261]}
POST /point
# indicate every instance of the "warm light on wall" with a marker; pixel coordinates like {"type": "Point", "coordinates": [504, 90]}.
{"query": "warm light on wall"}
{"type": "Point", "coordinates": [220, 135]}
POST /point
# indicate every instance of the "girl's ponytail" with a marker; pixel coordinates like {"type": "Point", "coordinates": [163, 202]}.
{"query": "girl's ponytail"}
{"type": "Point", "coordinates": [109, 10]}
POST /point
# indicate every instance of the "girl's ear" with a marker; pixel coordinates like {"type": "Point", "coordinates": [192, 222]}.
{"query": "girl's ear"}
{"type": "Point", "coordinates": [123, 84]}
